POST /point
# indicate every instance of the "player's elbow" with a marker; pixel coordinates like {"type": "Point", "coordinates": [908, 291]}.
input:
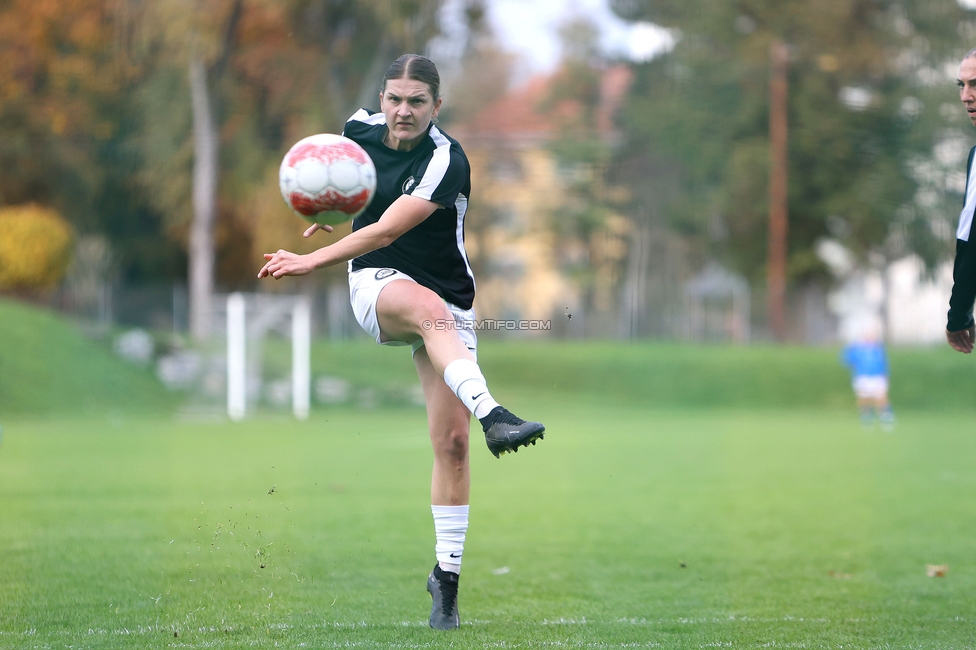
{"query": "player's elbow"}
{"type": "Point", "coordinates": [385, 239]}
{"type": "Point", "coordinates": [385, 236]}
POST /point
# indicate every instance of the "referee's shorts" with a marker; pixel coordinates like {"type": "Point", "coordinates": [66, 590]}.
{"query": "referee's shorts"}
{"type": "Point", "coordinates": [364, 290]}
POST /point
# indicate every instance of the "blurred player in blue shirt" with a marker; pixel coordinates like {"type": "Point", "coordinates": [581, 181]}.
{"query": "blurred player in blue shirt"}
{"type": "Point", "coordinates": [869, 377]}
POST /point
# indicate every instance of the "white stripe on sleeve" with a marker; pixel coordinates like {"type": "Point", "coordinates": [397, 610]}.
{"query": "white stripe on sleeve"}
{"type": "Point", "coordinates": [440, 160]}
{"type": "Point", "coordinates": [966, 216]}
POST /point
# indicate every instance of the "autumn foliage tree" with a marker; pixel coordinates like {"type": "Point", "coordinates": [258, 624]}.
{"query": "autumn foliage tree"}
{"type": "Point", "coordinates": [231, 85]}
{"type": "Point", "coordinates": [35, 249]}
{"type": "Point", "coordinates": [161, 124]}
{"type": "Point", "coordinates": [57, 70]}
{"type": "Point", "coordinates": [67, 121]}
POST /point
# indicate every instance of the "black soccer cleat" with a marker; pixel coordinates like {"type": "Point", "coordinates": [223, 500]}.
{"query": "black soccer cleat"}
{"type": "Point", "coordinates": [505, 432]}
{"type": "Point", "coordinates": [443, 588]}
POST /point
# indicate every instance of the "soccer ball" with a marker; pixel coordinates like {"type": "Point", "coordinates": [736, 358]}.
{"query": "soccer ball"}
{"type": "Point", "coordinates": [327, 178]}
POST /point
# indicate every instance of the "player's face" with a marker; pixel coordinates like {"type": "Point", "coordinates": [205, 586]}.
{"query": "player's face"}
{"type": "Point", "coordinates": [967, 87]}
{"type": "Point", "coordinates": [409, 107]}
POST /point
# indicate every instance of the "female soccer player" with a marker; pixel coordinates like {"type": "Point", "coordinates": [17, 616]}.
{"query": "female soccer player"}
{"type": "Point", "coordinates": [410, 284]}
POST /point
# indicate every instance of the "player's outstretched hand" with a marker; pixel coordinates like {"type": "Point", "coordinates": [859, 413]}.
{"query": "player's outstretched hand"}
{"type": "Point", "coordinates": [285, 263]}
{"type": "Point", "coordinates": [962, 340]}
{"type": "Point", "coordinates": [316, 227]}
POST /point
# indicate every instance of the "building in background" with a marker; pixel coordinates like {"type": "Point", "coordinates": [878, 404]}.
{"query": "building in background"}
{"type": "Point", "coordinates": [903, 301]}
{"type": "Point", "coordinates": [524, 264]}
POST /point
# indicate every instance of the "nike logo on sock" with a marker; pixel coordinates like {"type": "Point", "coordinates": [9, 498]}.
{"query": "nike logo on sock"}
{"type": "Point", "coordinates": [477, 396]}
{"type": "Point", "coordinates": [455, 555]}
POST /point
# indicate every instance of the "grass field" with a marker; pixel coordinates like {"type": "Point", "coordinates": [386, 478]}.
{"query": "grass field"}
{"type": "Point", "coordinates": [682, 498]}
{"type": "Point", "coordinates": [635, 529]}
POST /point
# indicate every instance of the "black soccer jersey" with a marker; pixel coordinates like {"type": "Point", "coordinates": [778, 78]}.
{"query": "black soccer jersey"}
{"type": "Point", "coordinates": [432, 252]}
{"type": "Point", "coordinates": [960, 315]}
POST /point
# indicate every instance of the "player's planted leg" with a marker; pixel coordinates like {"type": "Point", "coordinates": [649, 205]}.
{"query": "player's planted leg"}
{"type": "Point", "coordinates": [450, 490]}
{"type": "Point", "coordinates": [505, 431]}
{"type": "Point", "coordinates": [443, 588]}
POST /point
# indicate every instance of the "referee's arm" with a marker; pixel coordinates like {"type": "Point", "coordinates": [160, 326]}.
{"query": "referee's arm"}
{"type": "Point", "coordinates": [960, 328]}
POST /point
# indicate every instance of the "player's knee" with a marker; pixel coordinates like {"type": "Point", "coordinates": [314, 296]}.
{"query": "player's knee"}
{"type": "Point", "coordinates": [430, 309]}
{"type": "Point", "coordinates": [453, 443]}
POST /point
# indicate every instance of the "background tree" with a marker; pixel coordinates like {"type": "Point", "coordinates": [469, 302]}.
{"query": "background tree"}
{"type": "Point", "coordinates": [35, 249]}
{"type": "Point", "coordinates": [583, 98]}
{"type": "Point", "coordinates": [262, 75]}
{"type": "Point", "coordinates": [867, 85]}
{"type": "Point", "coordinates": [67, 77]}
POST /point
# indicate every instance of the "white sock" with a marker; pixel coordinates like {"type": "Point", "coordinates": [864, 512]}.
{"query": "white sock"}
{"type": "Point", "coordinates": [450, 527]}
{"type": "Point", "coordinates": [465, 379]}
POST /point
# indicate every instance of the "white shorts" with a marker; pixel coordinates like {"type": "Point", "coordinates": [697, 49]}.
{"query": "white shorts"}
{"type": "Point", "coordinates": [870, 386]}
{"type": "Point", "coordinates": [364, 290]}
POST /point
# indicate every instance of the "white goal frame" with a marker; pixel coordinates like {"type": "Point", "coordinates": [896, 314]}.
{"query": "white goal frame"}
{"type": "Point", "coordinates": [249, 318]}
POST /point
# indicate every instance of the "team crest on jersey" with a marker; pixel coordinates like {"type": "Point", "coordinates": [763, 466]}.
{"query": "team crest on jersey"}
{"type": "Point", "coordinates": [408, 184]}
{"type": "Point", "coordinates": [384, 273]}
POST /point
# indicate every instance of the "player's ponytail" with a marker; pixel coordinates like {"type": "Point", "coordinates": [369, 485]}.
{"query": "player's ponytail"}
{"type": "Point", "coordinates": [416, 67]}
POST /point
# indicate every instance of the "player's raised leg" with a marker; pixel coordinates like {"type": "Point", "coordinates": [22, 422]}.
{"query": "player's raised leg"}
{"type": "Point", "coordinates": [412, 311]}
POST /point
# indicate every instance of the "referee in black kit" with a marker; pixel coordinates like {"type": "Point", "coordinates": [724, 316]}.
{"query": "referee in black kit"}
{"type": "Point", "coordinates": [961, 329]}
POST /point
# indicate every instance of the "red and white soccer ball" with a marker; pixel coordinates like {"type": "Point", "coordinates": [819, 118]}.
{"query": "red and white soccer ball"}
{"type": "Point", "coordinates": [327, 178]}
